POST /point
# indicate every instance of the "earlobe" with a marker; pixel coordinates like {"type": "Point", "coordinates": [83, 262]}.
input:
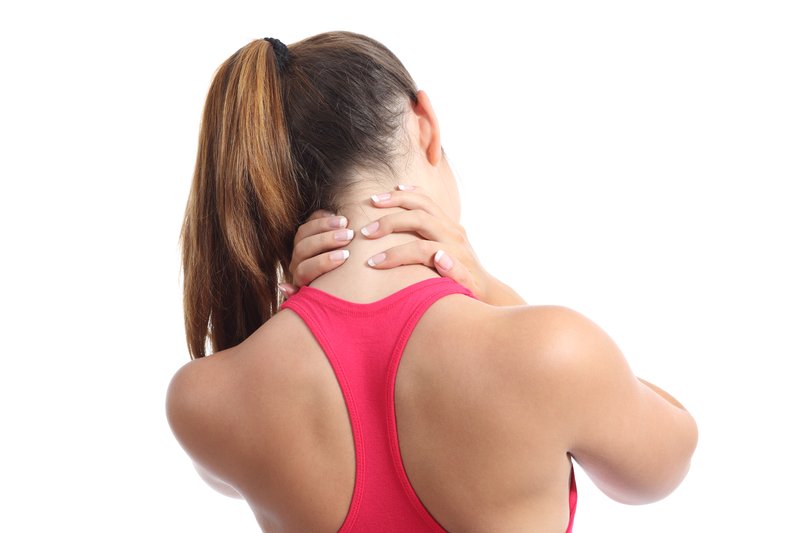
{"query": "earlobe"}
{"type": "Point", "coordinates": [429, 134]}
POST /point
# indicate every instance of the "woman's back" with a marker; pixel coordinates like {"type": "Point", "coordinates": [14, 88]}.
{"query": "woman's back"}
{"type": "Point", "coordinates": [476, 436]}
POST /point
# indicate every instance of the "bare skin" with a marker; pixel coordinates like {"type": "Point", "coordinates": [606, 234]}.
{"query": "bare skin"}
{"type": "Point", "coordinates": [492, 396]}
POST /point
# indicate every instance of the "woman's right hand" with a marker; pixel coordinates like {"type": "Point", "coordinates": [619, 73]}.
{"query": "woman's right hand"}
{"type": "Point", "coordinates": [444, 245]}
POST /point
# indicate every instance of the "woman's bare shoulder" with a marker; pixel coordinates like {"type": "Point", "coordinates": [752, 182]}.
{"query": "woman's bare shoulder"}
{"type": "Point", "coordinates": [528, 342]}
{"type": "Point", "coordinates": [208, 384]}
{"type": "Point", "coordinates": [554, 350]}
{"type": "Point", "coordinates": [194, 396]}
{"type": "Point", "coordinates": [530, 332]}
{"type": "Point", "coordinates": [537, 354]}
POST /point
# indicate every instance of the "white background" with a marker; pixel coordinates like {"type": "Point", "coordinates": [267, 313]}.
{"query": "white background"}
{"type": "Point", "coordinates": [637, 161]}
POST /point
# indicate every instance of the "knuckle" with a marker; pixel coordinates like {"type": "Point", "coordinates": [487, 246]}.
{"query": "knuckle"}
{"type": "Point", "coordinates": [323, 224]}
{"type": "Point", "coordinates": [319, 265]}
{"type": "Point", "coordinates": [422, 195]}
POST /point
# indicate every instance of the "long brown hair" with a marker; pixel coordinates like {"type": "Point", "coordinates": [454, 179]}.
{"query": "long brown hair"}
{"type": "Point", "coordinates": [276, 145]}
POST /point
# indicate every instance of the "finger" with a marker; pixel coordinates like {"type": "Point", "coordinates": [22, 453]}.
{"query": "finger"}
{"type": "Point", "coordinates": [450, 267]}
{"type": "Point", "coordinates": [319, 225]}
{"type": "Point", "coordinates": [416, 252]}
{"type": "Point", "coordinates": [321, 242]}
{"type": "Point", "coordinates": [314, 267]}
{"type": "Point", "coordinates": [416, 220]}
{"type": "Point", "coordinates": [414, 199]}
{"type": "Point", "coordinates": [427, 253]}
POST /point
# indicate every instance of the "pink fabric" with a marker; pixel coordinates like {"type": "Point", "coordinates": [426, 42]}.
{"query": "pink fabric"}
{"type": "Point", "coordinates": [573, 499]}
{"type": "Point", "coordinates": [364, 344]}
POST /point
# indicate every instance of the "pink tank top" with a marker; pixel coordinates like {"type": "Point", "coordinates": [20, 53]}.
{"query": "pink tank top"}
{"type": "Point", "coordinates": [364, 343]}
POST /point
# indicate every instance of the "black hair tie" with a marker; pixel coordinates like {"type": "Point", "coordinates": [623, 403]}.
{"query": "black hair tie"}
{"type": "Point", "coordinates": [281, 52]}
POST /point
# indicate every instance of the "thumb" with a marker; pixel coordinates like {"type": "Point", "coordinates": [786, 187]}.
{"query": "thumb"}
{"type": "Point", "coordinates": [449, 267]}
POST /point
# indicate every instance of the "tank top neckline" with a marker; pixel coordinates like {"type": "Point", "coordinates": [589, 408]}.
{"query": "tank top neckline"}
{"type": "Point", "coordinates": [330, 300]}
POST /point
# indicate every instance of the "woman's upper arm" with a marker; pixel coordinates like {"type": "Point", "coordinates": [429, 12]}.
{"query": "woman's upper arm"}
{"type": "Point", "coordinates": [194, 412]}
{"type": "Point", "coordinates": [634, 444]}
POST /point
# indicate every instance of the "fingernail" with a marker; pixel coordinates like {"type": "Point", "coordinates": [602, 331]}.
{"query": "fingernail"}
{"type": "Point", "coordinates": [343, 235]}
{"type": "Point", "coordinates": [444, 260]}
{"type": "Point", "coordinates": [378, 198]}
{"type": "Point", "coordinates": [283, 290]}
{"type": "Point", "coordinates": [406, 187]}
{"type": "Point", "coordinates": [376, 259]}
{"type": "Point", "coordinates": [369, 229]}
{"type": "Point", "coordinates": [339, 255]}
{"type": "Point", "coordinates": [337, 222]}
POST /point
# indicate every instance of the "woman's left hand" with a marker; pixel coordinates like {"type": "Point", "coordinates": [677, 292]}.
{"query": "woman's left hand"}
{"type": "Point", "coordinates": [312, 255]}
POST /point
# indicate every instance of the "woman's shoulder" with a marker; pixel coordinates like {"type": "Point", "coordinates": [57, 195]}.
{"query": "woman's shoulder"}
{"type": "Point", "coordinates": [557, 350]}
{"type": "Point", "coordinates": [536, 354]}
{"type": "Point", "coordinates": [535, 347]}
{"type": "Point", "coordinates": [633, 443]}
{"type": "Point", "coordinates": [526, 334]}
{"type": "Point", "coordinates": [197, 407]}
{"type": "Point", "coordinates": [545, 331]}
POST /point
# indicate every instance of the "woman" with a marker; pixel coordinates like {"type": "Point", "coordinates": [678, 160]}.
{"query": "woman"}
{"type": "Point", "coordinates": [384, 395]}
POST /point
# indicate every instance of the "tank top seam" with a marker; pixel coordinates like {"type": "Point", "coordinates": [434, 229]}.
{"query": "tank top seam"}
{"type": "Point", "coordinates": [355, 421]}
{"type": "Point", "coordinates": [391, 423]}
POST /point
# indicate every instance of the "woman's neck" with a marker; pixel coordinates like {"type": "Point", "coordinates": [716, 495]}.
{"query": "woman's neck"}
{"type": "Point", "coordinates": [356, 281]}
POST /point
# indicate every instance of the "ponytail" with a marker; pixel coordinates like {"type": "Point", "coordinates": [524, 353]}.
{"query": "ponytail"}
{"type": "Point", "coordinates": [243, 208]}
{"type": "Point", "coordinates": [278, 141]}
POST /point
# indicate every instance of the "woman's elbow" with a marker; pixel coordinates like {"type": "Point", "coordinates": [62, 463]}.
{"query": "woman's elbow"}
{"type": "Point", "coordinates": [685, 444]}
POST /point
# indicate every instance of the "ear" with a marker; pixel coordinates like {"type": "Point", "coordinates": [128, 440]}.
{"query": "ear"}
{"type": "Point", "coordinates": [429, 136]}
